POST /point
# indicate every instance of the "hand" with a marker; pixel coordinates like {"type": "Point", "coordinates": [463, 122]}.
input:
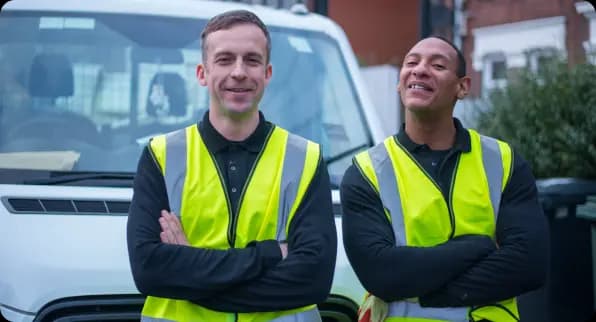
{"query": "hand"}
{"type": "Point", "coordinates": [284, 250]}
{"type": "Point", "coordinates": [171, 229]}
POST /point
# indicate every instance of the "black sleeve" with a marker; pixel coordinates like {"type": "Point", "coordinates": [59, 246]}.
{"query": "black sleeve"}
{"type": "Point", "coordinates": [397, 272]}
{"type": "Point", "coordinates": [519, 264]}
{"type": "Point", "coordinates": [182, 272]}
{"type": "Point", "coordinates": [304, 277]}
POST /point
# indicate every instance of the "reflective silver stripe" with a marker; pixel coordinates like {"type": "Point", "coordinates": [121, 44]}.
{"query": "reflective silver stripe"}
{"type": "Point", "coordinates": [311, 315]}
{"type": "Point", "coordinates": [150, 319]}
{"type": "Point", "coordinates": [175, 168]}
{"type": "Point", "coordinates": [493, 166]}
{"type": "Point", "coordinates": [388, 191]}
{"type": "Point", "coordinates": [293, 166]}
{"type": "Point", "coordinates": [414, 310]}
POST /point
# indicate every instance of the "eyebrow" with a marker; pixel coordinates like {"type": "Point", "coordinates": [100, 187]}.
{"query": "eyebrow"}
{"type": "Point", "coordinates": [254, 55]}
{"type": "Point", "coordinates": [223, 53]}
{"type": "Point", "coordinates": [247, 55]}
{"type": "Point", "coordinates": [433, 56]}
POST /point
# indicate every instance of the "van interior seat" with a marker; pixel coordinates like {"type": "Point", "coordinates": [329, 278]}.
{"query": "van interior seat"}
{"type": "Point", "coordinates": [51, 76]}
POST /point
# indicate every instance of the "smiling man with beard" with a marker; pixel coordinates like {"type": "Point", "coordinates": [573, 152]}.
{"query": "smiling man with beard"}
{"type": "Point", "coordinates": [442, 223]}
{"type": "Point", "coordinates": [231, 218]}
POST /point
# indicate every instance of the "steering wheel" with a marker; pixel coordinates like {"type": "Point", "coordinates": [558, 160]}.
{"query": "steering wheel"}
{"type": "Point", "coordinates": [59, 126]}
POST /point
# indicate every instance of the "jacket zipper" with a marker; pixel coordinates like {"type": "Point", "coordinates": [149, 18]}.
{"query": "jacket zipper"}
{"type": "Point", "coordinates": [234, 223]}
{"type": "Point", "coordinates": [233, 215]}
{"type": "Point", "coordinates": [228, 207]}
{"type": "Point", "coordinates": [450, 203]}
{"type": "Point", "coordinates": [228, 203]}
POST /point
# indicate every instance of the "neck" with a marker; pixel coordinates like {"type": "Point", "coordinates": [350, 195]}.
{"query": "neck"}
{"type": "Point", "coordinates": [234, 129]}
{"type": "Point", "coordinates": [438, 133]}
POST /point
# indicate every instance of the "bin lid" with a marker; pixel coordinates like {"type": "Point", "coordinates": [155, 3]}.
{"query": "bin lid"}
{"type": "Point", "coordinates": [566, 186]}
{"type": "Point", "coordinates": [588, 210]}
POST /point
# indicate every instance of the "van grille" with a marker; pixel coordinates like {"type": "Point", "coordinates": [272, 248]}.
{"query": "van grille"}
{"type": "Point", "coordinates": [128, 308]}
{"type": "Point", "coordinates": [57, 205]}
{"type": "Point", "coordinates": [93, 308]}
{"type": "Point", "coordinates": [66, 206]}
{"type": "Point", "coordinates": [26, 205]}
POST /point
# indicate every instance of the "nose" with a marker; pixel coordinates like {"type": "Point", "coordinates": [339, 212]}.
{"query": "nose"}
{"type": "Point", "coordinates": [239, 71]}
{"type": "Point", "coordinates": [420, 70]}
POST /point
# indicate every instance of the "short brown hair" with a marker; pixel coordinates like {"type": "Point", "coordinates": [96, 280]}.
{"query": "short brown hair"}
{"type": "Point", "coordinates": [229, 19]}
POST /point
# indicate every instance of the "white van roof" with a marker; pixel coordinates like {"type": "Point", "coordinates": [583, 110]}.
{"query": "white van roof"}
{"type": "Point", "coordinates": [178, 8]}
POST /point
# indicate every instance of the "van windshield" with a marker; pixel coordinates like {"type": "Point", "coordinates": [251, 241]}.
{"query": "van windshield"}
{"type": "Point", "coordinates": [85, 92]}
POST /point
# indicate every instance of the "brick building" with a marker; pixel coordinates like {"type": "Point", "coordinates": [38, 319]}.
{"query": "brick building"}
{"type": "Point", "coordinates": [380, 32]}
{"type": "Point", "coordinates": [503, 36]}
{"type": "Point", "coordinates": [497, 37]}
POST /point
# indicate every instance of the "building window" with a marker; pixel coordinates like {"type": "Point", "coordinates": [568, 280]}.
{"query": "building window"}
{"type": "Point", "coordinates": [587, 9]}
{"type": "Point", "coordinates": [590, 49]}
{"type": "Point", "coordinates": [541, 58]}
{"type": "Point", "coordinates": [494, 72]}
{"type": "Point", "coordinates": [501, 51]}
{"type": "Point", "coordinates": [499, 70]}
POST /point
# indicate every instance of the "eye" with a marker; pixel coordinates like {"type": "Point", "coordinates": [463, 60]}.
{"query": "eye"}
{"type": "Point", "coordinates": [439, 66]}
{"type": "Point", "coordinates": [253, 61]}
{"type": "Point", "coordinates": [411, 63]}
{"type": "Point", "coordinates": [223, 60]}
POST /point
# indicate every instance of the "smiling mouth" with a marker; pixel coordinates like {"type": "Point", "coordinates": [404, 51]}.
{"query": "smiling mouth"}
{"type": "Point", "coordinates": [420, 87]}
{"type": "Point", "coordinates": [239, 90]}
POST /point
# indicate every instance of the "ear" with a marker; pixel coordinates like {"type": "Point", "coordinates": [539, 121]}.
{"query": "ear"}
{"type": "Point", "coordinates": [268, 73]}
{"type": "Point", "coordinates": [202, 74]}
{"type": "Point", "coordinates": [463, 88]}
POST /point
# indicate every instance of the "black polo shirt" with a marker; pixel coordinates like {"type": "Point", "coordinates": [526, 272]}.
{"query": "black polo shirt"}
{"type": "Point", "coordinates": [234, 159]}
{"type": "Point", "coordinates": [466, 270]}
{"type": "Point", "coordinates": [439, 164]}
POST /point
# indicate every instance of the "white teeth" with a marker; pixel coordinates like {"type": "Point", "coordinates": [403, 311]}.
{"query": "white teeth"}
{"type": "Point", "coordinates": [418, 86]}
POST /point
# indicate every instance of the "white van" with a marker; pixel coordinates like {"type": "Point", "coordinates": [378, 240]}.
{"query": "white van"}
{"type": "Point", "coordinates": [85, 84]}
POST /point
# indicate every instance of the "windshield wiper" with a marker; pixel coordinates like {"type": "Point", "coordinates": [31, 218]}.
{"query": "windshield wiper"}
{"type": "Point", "coordinates": [68, 178]}
{"type": "Point", "coordinates": [344, 154]}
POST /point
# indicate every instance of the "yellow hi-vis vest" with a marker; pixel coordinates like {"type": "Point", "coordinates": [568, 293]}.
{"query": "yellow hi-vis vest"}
{"type": "Point", "coordinates": [420, 215]}
{"type": "Point", "coordinates": [275, 188]}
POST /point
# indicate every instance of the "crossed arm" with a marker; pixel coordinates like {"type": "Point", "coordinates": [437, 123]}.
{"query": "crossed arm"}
{"type": "Point", "coordinates": [520, 262]}
{"type": "Point", "coordinates": [255, 278]}
{"type": "Point", "coordinates": [173, 234]}
{"type": "Point", "coordinates": [467, 270]}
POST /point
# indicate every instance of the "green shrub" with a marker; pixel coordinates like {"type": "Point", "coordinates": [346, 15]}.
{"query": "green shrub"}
{"type": "Point", "coordinates": [550, 118]}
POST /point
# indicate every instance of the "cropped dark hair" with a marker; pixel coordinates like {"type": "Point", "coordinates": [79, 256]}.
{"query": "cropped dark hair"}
{"type": "Point", "coordinates": [461, 61]}
{"type": "Point", "coordinates": [232, 18]}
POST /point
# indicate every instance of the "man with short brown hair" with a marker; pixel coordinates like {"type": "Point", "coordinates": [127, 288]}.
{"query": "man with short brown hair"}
{"type": "Point", "coordinates": [231, 218]}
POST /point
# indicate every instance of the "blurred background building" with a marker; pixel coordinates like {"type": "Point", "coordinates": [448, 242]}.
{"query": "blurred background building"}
{"type": "Point", "coordinates": [498, 38]}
